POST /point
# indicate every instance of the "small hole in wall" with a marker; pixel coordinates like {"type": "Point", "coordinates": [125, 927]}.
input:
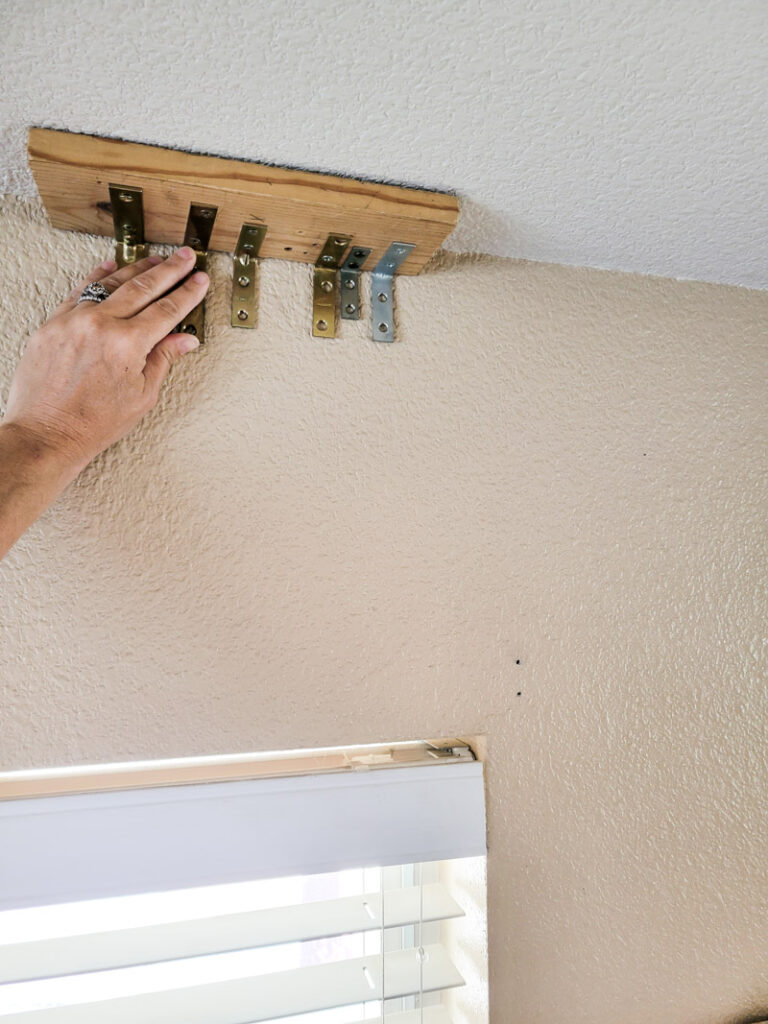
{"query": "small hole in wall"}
{"type": "Point", "coordinates": [288, 248]}
{"type": "Point", "coordinates": [519, 693]}
{"type": "Point", "coordinates": [517, 661]}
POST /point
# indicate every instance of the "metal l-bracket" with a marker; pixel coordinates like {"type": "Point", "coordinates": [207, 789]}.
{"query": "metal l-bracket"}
{"type": "Point", "coordinates": [325, 287]}
{"type": "Point", "coordinates": [350, 282]}
{"type": "Point", "coordinates": [383, 290]}
{"type": "Point", "coordinates": [128, 216]}
{"type": "Point", "coordinates": [244, 275]}
{"type": "Point", "coordinates": [198, 236]}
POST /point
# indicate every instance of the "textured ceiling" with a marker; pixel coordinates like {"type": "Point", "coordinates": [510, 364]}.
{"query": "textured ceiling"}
{"type": "Point", "coordinates": [629, 136]}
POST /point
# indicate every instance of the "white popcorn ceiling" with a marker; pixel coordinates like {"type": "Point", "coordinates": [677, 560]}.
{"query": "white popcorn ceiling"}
{"type": "Point", "coordinates": [628, 136]}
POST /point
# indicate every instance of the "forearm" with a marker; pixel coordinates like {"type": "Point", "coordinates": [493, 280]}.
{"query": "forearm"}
{"type": "Point", "coordinates": [32, 475]}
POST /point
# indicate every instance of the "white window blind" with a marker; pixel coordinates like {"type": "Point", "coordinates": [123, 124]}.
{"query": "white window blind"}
{"type": "Point", "coordinates": [318, 898]}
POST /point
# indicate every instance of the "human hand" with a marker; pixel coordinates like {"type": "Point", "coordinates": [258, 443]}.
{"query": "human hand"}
{"type": "Point", "coordinates": [93, 370]}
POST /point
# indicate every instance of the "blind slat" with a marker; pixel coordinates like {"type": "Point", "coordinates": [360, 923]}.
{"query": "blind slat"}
{"type": "Point", "coordinates": [100, 950]}
{"type": "Point", "coordinates": [260, 999]}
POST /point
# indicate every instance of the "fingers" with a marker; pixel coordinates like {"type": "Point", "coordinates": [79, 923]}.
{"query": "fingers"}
{"type": "Point", "coordinates": [137, 292]}
{"type": "Point", "coordinates": [164, 355]}
{"type": "Point", "coordinates": [97, 274]}
{"type": "Point", "coordinates": [113, 281]}
{"type": "Point", "coordinates": [162, 317]}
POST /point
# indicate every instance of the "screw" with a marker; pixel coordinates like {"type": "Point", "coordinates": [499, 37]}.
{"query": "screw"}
{"type": "Point", "coordinates": [349, 283]}
{"type": "Point", "coordinates": [353, 266]}
{"type": "Point", "coordinates": [194, 242]}
{"type": "Point", "coordinates": [383, 328]}
{"type": "Point", "coordinates": [322, 325]}
{"type": "Point", "coordinates": [189, 329]}
{"type": "Point", "coordinates": [382, 296]}
{"type": "Point", "coordinates": [339, 241]}
{"type": "Point", "coordinates": [242, 315]}
{"type": "Point", "coordinates": [350, 307]}
{"type": "Point", "coordinates": [248, 246]}
{"type": "Point", "coordinates": [125, 197]}
{"type": "Point", "coordinates": [358, 254]}
{"type": "Point", "coordinates": [327, 259]}
{"type": "Point", "coordinates": [326, 286]}
{"type": "Point", "coordinates": [206, 213]}
{"type": "Point", "coordinates": [243, 281]}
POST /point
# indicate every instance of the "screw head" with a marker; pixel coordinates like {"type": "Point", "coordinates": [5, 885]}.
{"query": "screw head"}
{"type": "Point", "coordinates": [243, 281]}
{"type": "Point", "coordinates": [327, 259]}
{"type": "Point", "coordinates": [194, 242]}
{"type": "Point", "coordinates": [189, 329]}
{"type": "Point", "coordinates": [383, 328]}
{"type": "Point", "coordinates": [358, 254]}
{"type": "Point", "coordinates": [242, 314]}
{"type": "Point", "coordinates": [349, 284]}
{"type": "Point", "coordinates": [207, 214]}
{"type": "Point", "coordinates": [350, 307]}
{"type": "Point", "coordinates": [382, 296]}
{"type": "Point", "coordinates": [248, 246]}
{"type": "Point", "coordinates": [326, 286]}
{"type": "Point", "coordinates": [322, 325]}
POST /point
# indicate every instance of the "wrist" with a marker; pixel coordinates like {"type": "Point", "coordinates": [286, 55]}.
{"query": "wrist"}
{"type": "Point", "coordinates": [37, 457]}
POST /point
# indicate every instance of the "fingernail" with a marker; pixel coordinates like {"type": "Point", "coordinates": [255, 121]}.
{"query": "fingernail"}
{"type": "Point", "coordinates": [200, 277]}
{"type": "Point", "coordinates": [185, 252]}
{"type": "Point", "coordinates": [189, 344]}
{"type": "Point", "coordinates": [155, 259]}
{"type": "Point", "coordinates": [109, 265]}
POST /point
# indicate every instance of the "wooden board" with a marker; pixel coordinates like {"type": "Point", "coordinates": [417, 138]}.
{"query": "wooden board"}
{"type": "Point", "coordinates": [300, 208]}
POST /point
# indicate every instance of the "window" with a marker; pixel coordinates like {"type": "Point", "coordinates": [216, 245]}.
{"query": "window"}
{"type": "Point", "coordinates": [287, 892]}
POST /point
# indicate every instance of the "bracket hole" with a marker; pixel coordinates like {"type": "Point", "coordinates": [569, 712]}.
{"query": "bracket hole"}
{"type": "Point", "coordinates": [353, 266]}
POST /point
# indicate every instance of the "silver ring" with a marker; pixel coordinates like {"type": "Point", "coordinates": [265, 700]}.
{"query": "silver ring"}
{"type": "Point", "coordinates": [95, 292]}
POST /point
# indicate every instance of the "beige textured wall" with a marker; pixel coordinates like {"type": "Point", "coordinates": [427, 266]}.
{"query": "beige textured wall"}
{"type": "Point", "coordinates": [539, 517]}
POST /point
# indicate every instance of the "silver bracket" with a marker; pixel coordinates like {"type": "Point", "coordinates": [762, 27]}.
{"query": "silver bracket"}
{"type": "Point", "coordinates": [459, 751]}
{"type": "Point", "coordinates": [383, 290]}
{"type": "Point", "coordinates": [325, 286]}
{"type": "Point", "coordinates": [128, 216]}
{"type": "Point", "coordinates": [350, 282]}
{"type": "Point", "coordinates": [244, 275]}
{"type": "Point", "coordinates": [198, 237]}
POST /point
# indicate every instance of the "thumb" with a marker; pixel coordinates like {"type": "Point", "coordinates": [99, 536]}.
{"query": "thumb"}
{"type": "Point", "coordinates": [165, 354]}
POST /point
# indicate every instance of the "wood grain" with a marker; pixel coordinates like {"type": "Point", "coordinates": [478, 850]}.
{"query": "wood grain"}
{"type": "Point", "coordinates": [300, 208]}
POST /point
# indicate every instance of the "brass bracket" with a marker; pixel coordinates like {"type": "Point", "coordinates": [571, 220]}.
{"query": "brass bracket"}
{"type": "Point", "coordinates": [350, 282]}
{"type": "Point", "coordinates": [128, 216]}
{"type": "Point", "coordinates": [198, 236]}
{"type": "Point", "coordinates": [325, 287]}
{"type": "Point", "coordinates": [244, 275]}
{"type": "Point", "coordinates": [383, 290]}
